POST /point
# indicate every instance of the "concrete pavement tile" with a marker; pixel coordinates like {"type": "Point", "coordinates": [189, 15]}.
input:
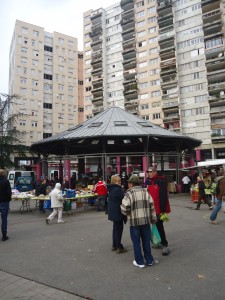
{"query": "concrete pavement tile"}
{"type": "Point", "coordinates": [59, 295]}
{"type": "Point", "coordinates": [48, 291]}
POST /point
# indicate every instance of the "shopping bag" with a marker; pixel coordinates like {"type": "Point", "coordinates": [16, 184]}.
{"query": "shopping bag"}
{"type": "Point", "coordinates": [155, 237]}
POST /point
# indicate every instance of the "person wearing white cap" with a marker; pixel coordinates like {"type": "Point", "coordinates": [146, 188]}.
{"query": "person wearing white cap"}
{"type": "Point", "coordinates": [56, 203]}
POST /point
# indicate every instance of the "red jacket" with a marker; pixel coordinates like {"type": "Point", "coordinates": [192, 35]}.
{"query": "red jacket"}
{"type": "Point", "coordinates": [100, 188]}
{"type": "Point", "coordinates": [158, 190]}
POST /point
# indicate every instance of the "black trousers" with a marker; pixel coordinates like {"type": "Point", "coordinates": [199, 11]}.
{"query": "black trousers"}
{"type": "Point", "coordinates": [160, 227]}
{"type": "Point", "coordinates": [117, 234]}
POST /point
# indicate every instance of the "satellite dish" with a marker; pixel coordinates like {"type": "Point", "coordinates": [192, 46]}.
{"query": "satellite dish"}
{"type": "Point", "coordinates": [220, 54]}
{"type": "Point", "coordinates": [222, 93]}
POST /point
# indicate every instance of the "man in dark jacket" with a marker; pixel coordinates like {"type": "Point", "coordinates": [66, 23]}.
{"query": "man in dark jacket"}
{"type": "Point", "coordinates": [5, 197]}
{"type": "Point", "coordinates": [115, 197]}
{"type": "Point", "coordinates": [157, 188]}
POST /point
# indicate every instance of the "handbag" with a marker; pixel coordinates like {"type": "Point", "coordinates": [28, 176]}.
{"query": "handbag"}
{"type": "Point", "coordinates": [155, 236]}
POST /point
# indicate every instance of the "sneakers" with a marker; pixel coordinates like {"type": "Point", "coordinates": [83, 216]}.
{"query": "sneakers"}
{"type": "Point", "coordinates": [214, 222]}
{"type": "Point", "coordinates": [121, 250]}
{"type": "Point", "coordinates": [47, 221]}
{"type": "Point", "coordinates": [165, 251]}
{"type": "Point", "coordinates": [137, 265]}
{"type": "Point", "coordinates": [113, 248]}
{"type": "Point", "coordinates": [211, 207]}
{"type": "Point", "coordinates": [61, 222]}
{"type": "Point", "coordinates": [196, 208]}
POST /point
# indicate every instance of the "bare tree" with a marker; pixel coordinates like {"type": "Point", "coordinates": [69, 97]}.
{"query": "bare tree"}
{"type": "Point", "coordinates": [9, 135]}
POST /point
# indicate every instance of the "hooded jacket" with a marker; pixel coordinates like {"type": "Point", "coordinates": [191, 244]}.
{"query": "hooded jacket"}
{"type": "Point", "coordinates": [56, 196]}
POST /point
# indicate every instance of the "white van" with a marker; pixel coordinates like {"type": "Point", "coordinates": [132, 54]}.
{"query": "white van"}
{"type": "Point", "coordinates": [14, 174]}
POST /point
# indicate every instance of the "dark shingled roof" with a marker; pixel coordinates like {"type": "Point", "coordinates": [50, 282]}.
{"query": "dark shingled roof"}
{"type": "Point", "coordinates": [113, 131]}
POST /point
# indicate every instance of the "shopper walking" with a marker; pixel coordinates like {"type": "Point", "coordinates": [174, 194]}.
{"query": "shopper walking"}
{"type": "Point", "coordinates": [138, 206]}
{"type": "Point", "coordinates": [115, 197]}
{"type": "Point", "coordinates": [5, 198]}
{"type": "Point", "coordinates": [56, 203]}
{"type": "Point", "coordinates": [202, 194]}
{"type": "Point", "coordinates": [220, 198]}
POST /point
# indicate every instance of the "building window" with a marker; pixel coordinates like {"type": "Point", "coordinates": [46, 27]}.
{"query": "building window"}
{"type": "Point", "coordinates": [46, 135]}
{"type": "Point", "coordinates": [156, 116]}
{"type": "Point", "coordinates": [48, 48]}
{"type": "Point", "coordinates": [48, 76]}
{"type": "Point", "coordinates": [35, 33]}
{"type": "Point", "coordinates": [144, 106]}
{"type": "Point", "coordinates": [47, 105]}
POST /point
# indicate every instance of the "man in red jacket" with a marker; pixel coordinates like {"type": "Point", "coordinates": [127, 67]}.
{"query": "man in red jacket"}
{"type": "Point", "coordinates": [157, 188]}
{"type": "Point", "coordinates": [101, 189]}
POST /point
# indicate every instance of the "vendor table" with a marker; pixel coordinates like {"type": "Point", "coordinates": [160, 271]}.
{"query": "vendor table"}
{"type": "Point", "coordinates": [25, 203]}
{"type": "Point", "coordinates": [82, 199]}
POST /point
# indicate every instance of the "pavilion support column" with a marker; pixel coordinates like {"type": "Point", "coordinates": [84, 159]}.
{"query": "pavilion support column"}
{"type": "Point", "coordinates": [118, 164]}
{"type": "Point", "coordinates": [67, 168]}
{"type": "Point", "coordinates": [39, 170]}
{"type": "Point", "coordinates": [145, 164]}
{"type": "Point", "coordinates": [60, 171]}
{"type": "Point", "coordinates": [162, 163]}
{"type": "Point", "coordinates": [198, 154]}
{"type": "Point", "coordinates": [127, 164]}
{"type": "Point", "coordinates": [44, 167]}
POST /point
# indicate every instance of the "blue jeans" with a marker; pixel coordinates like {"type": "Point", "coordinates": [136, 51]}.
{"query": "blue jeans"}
{"type": "Point", "coordinates": [4, 209]}
{"type": "Point", "coordinates": [138, 234]}
{"type": "Point", "coordinates": [216, 209]}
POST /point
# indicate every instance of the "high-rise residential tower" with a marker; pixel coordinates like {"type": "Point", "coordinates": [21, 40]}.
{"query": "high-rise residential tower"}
{"type": "Point", "coordinates": [163, 60]}
{"type": "Point", "coordinates": [44, 75]}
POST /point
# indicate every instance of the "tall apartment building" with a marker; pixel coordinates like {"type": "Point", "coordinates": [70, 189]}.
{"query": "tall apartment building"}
{"type": "Point", "coordinates": [163, 60]}
{"type": "Point", "coordinates": [44, 74]}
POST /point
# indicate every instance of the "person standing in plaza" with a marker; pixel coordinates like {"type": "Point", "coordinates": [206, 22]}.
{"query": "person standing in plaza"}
{"type": "Point", "coordinates": [202, 194]}
{"type": "Point", "coordinates": [101, 189]}
{"type": "Point", "coordinates": [186, 184]}
{"type": "Point", "coordinates": [220, 198]}
{"type": "Point", "coordinates": [5, 198]}
{"type": "Point", "coordinates": [157, 188]}
{"type": "Point", "coordinates": [115, 215]}
{"type": "Point", "coordinates": [138, 206]}
{"type": "Point", "coordinates": [56, 203]}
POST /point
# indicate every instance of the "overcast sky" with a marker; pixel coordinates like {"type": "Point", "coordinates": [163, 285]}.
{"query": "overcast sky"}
{"type": "Point", "coordinates": [64, 16]}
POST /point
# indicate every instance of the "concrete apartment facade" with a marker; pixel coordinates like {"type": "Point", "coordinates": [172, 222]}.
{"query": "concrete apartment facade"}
{"type": "Point", "coordinates": [45, 72]}
{"type": "Point", "coordinates": [163, 60]}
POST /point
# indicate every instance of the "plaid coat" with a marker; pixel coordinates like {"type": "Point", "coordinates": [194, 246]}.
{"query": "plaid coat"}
{"type": "Point", "coordinates": [138, 206]}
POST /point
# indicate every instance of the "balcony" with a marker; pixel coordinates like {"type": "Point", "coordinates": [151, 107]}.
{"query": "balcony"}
{"type": "Point", "coordinates": [128, 44]}
{"type": "Point", "coordinates": [124, 3]}
{"type": "Point", "coordinates": [169, 83]}
{"type": "Point", "coordinates": [130, 74]}
{"type": "Point", "coordinates": [97, 72]}
{"type": "Point", "coordinates": [167, 35]}
{"type": "Point", "coordinates": [95, 99]}
{"type": "Point", "coordinates": [210, 28]}
{"type": "Point", "coordinates": [214, 52]}
{"type": "Point", "coordinates": [208, 4]}
{"type": "Point", "coordinates": [98, 110]}
{"type": "Point", "coordinates": [171, 117]}
{"type": "Point", "coordinates": [129, 28]}
{"type": "Point", "coordinates": [96, 14]}
{"type": "Point", "coordinates": [97, 90]}
{"type": "Point", "coordinates": [171, 104]}
{"type": "Point", "coordinates": [211, 16]}
{"type": "Point", "coordinates": [127, 18]}
{"type": "Point", "coordinates": [164, 4]}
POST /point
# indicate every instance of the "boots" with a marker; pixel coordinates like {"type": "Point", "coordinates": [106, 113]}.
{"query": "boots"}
{"type": "Point", "coordinates": [4, 237]}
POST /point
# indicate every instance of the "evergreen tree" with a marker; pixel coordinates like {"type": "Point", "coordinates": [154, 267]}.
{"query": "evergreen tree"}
{"type": "Point", "coordinates": [9, 135]}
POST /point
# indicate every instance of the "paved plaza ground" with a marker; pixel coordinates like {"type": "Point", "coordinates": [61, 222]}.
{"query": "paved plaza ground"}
{"type": "Point", "coordinates": [74, 260]}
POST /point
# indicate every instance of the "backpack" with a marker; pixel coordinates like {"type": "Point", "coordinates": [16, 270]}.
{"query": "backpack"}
{"type": "Point", "coordinates": [217, 190]}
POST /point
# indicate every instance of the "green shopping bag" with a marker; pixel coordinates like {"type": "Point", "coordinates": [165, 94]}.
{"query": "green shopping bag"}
{"type": "Point", "coordinates": [155, 237]}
